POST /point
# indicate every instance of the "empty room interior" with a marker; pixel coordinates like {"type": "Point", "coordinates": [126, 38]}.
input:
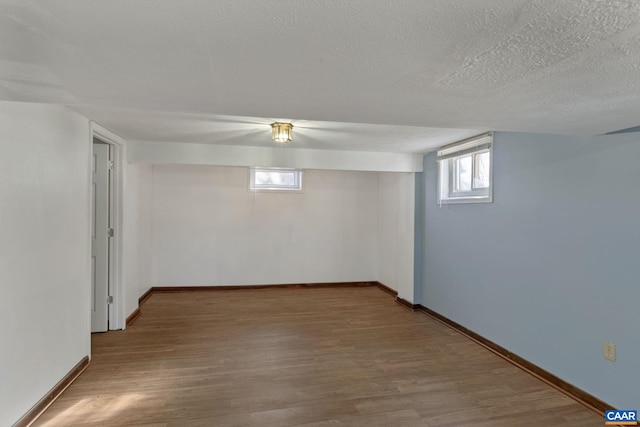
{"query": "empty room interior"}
{"type": "Point", "coordinates": [349, 213]}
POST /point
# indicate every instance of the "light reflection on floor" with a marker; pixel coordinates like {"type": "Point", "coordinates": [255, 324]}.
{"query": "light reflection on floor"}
{"type": "Point", "coordinates": [96, 409]}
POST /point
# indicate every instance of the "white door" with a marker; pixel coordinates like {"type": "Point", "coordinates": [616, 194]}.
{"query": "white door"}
{"type": "Point", "coordinates": [100, 239]}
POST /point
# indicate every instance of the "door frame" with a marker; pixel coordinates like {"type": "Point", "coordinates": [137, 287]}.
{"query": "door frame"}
{"type": "Point", "coordinates": [116, 203]}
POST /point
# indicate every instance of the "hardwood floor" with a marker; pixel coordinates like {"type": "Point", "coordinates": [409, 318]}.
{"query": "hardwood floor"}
{"type": "Point", "coordinates": [303, 357]}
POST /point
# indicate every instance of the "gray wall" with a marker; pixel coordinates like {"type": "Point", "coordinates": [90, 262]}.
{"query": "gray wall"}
{"type": "Point", "coordinates": [551, 269]}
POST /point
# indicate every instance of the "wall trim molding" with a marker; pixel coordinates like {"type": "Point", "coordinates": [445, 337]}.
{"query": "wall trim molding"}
{"type": "Point", "coordinates": [145, 296]}
{"type": "Point", "coordinates": [133, 316]}
{"type": "Point", "coordinates": [403, 302]}
{"type": "Point", "coordinates": [386, 289]}
{"type": "Point", "coordinates": [579, 395]}
{"type": "Point", "coordinates": [172, 289]}
{"type": "Point", "coordinates": [37, 409]}
{"type": "Point", "coordinates": [167, 289]}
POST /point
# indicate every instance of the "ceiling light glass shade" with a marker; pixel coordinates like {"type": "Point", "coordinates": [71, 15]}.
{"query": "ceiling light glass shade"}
{"type": "Point", "coordinates": [281, 132]}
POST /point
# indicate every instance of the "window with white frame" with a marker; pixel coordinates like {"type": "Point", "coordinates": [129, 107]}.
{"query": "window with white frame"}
{"type": "Point", "coordinates": [465, 171]}
{"type": "Point", "coordinates": [275, 179]}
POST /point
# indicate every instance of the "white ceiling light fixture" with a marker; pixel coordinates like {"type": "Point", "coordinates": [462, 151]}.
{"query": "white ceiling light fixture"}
{"type": "Point", "coordinates": [281, 133]}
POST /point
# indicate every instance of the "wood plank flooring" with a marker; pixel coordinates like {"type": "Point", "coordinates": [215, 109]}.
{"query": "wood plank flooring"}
{"type": "Point", "coordinates": [301, 357]}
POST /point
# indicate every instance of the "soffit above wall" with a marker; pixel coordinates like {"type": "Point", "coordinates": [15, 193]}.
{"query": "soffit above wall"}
{"type": "Point", "coordinates": [279, 157]}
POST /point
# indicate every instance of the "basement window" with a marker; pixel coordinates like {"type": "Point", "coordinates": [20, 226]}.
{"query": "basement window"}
{"type": "Point", "coordinates": [465, 171]}
{"type": "Point", "coordinates": [275, 179]}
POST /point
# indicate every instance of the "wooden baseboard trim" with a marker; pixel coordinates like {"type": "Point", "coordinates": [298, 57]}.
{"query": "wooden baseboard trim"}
{"type": "Point", "coordinates": [145, 296]}
{"type": "Point", "coordinates": [172, 289]}
{"type": "Point", "coordinates": [37, 409]}
{"type": "Point", "coordinates": [133, 316]}
{"type": "Point", "coordinates": [570, 390]}
{"type": "Point", "coordinates": [386, 289]}
{"type": "Point", "coordinates": [167, 289]}
{"type": "Point", "coordinates": [403, 302]}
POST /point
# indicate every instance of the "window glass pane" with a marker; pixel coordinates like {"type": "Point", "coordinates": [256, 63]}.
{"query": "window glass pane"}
{"type": "Point", "coordinates": [463, 173]}
{"type": "Point", "coordinates": [465, 170]}
{"type": "Point", "coordinates": [275, 178]}
{"type": "Point", "coordinates": [481, 170]}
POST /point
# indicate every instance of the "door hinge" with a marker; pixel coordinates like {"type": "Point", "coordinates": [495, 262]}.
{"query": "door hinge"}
{"type": "Point", "coordinates": [110, 164]}
{"type": "Point", "coordinates": [110, 232]}
{"type": "Point", "coordinates": [110, 299]}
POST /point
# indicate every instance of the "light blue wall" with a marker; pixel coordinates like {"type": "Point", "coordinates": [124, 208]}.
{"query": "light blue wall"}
{"type": "Point", "coordinates": [551, 269]}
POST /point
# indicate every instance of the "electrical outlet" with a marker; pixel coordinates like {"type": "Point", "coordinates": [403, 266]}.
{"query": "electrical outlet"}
{"type": "Point", "coordinates": [609, 351]}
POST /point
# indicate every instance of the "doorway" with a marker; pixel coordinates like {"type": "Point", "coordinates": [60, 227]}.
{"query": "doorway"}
{"type": "Point", "coordinates": [101, 234]}
{"type": "Point", "coordinates": [106, 301]}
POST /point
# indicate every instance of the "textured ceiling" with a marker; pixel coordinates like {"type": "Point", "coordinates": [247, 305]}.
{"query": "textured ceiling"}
{"type": "Point", "coordinates": [433, 71]}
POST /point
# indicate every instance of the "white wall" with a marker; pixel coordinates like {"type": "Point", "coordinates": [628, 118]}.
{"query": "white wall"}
{"type": "Point", "coordinates": [137, 234]}
{"type": "Point", "coordinates": [396, 232]}
{"type": "Point", "coordinates": [131, 251]}
{"type": "Point", "coordinates": [145, 192]}
{"type": "Point", "coordinates": [44, 251]}
{"type": "Point", "coordinates": [208, 229]}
